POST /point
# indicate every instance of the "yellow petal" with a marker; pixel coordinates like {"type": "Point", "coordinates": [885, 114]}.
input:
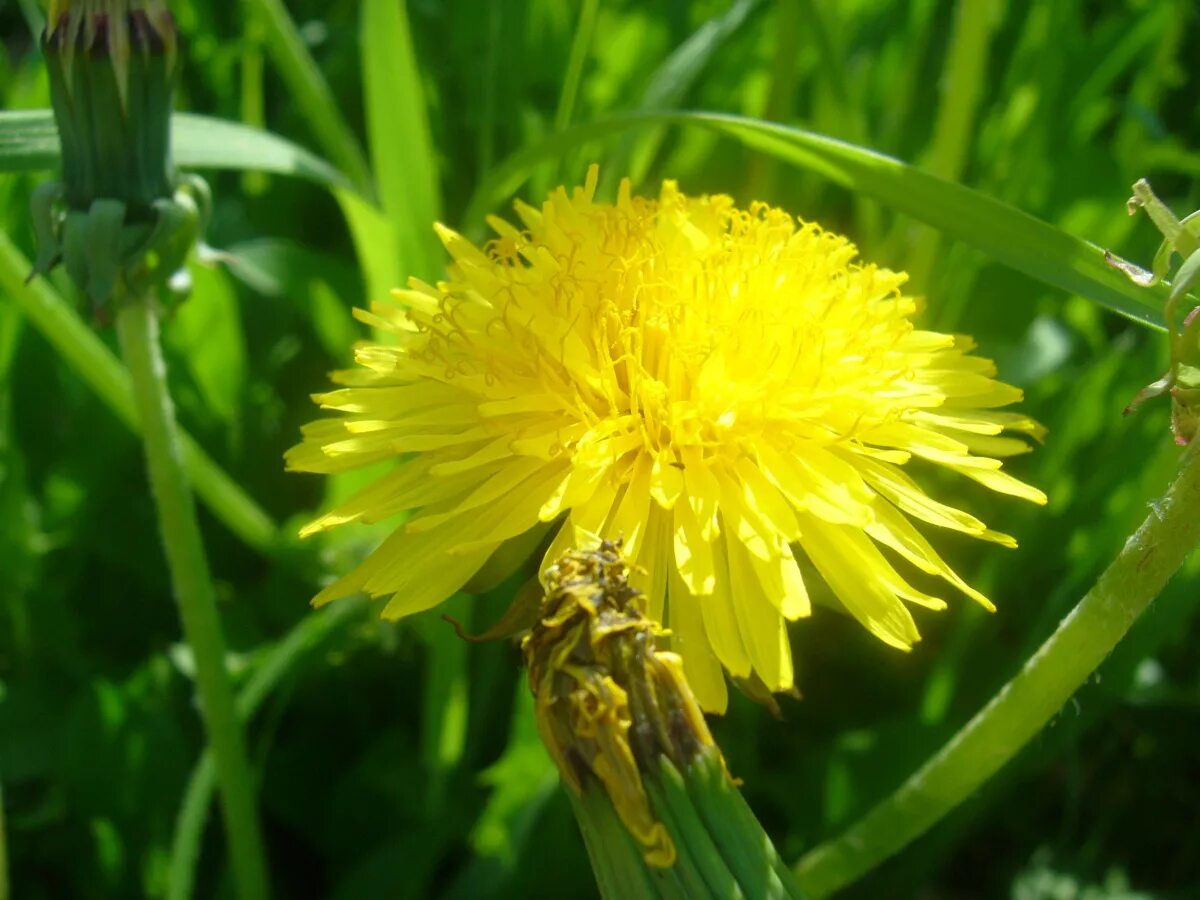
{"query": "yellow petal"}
{"type": "Point", "coordinates": [654, 558]}
{"type": "Point", "coordinates": [693, 554]}
{"type": "Point", "coordinates": [816, 480]}
{"type": "Point", "coordinates": [759, 617]}
{"type": "Point", "coordinates": [688, 639]}
{"type": "Point", "coordinates": [628, 523]}
{"type": "Point", "coordinates": [836, 555]}
{"type": "Point", "coordinates": [893, 530]}
{"type": "Point", "coordinates": [721, 623]}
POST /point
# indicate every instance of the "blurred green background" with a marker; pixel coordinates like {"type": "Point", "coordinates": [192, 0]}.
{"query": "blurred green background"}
{"type": "Point", "coordinates": [396, 761]}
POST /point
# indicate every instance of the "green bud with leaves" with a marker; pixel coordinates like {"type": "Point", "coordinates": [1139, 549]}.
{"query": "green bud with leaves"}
{"type": "Point", "coordinates": [120, 221]}
{"type": "Point", "coordinates": [1181, 237]}
{"type": "Point", "coordinates": [659, 813]}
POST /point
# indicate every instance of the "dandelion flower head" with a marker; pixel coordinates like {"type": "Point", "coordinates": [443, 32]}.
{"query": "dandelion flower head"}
{"type": "Point", "coordinates": [725, 390]}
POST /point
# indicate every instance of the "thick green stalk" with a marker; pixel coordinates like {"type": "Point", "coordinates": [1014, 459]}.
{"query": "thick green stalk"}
{"type": "Point", "coordinates": [1060, 666]}
{"type": "Point", "coordinates": [137, 326]}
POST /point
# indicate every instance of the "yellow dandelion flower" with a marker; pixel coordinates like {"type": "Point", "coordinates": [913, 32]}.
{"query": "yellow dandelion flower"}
{"type": "Point", "coordinates": [719, 388]}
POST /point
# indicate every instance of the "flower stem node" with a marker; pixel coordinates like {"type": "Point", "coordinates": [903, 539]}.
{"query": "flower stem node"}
{"type": "Point", "coordinates": [120, 220]}
{"type": "Point", "coordinates": [1182, 380]}
{"type": "Point", "coordinates": [658, 810]}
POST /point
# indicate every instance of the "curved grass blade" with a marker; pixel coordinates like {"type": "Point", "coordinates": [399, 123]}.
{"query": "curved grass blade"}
{"type": "Point", "coordinates": [99, 368]}
{"type": "Point", "coordinates": [1007, 234]}
{"type": "Point", "coordinates": [670, 83]}
{"type": "Point", "coordinates": [29, 142]}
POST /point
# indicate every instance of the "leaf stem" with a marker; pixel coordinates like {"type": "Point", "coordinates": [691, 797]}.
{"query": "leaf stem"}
{"type": "Point", "coordinates": [1019, 710]}
{"type": "Point", "coordinates": [137, 327]}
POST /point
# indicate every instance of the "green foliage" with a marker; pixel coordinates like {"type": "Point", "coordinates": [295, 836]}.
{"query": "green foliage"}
{"type": "Point", "coordinates": [395, 761]}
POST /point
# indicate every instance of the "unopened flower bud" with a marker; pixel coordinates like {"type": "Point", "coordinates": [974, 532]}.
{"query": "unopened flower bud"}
{"type": "Point", "coordinates": [120, 220]}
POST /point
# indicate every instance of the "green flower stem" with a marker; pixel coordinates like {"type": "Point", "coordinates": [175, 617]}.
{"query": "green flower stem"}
{"type": "Point", "coordinates": [96, 365]}
{"type": "Point", "coordinates": [137, 326]}
{"type": "Point", "coordinates": [1048, 679]}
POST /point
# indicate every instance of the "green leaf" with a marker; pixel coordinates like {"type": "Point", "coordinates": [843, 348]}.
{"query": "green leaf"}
{"type": "Point", "coordinates": [29, 141]}
{"type": "Point", "coordinates": [374, 243]}
{"type": "Point", "coordinates": [402, 154]}
{"type": "Point", "coordinates": [207, 332]}
{"type": "Point", "coordinates": [1004, 232]}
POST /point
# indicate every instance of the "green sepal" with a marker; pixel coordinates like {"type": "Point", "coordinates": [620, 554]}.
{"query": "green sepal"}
{"type": "Point", "coordinates": [746, 848]}
{"type": "Point", "coordinates": [44, 212]}
{"type": "Point", "coordinates": [699, 860]}
{"type": "Point", "coordinates": [102, 245]}
{"type": "Point", "coordinates": [74, 247]}
{"type": "Point", "coordinates": [621, 871]}
{"type": "Point", "coordinates": [165, 251]}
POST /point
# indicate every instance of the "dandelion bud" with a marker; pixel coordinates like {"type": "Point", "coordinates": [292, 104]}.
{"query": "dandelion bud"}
{"type": "Point", "coordinates": [659, 813]}
{"type": "Point", "coordinates": [119, 220]}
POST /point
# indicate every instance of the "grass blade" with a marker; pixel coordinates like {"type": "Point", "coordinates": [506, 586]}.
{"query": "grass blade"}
{"type": "Point", "coordinates": [1004, 232]}
{"type": "Point", "coordinates": [99, 368]}
{"type": "Point", "coordinates": [276, 665]}
{"type": "Point", "coordinates": [671, 82]}
{"type": "Point", "coordinates": [965, 80]}
{"type": "Point", "coordinates": [402, 154]}
{"type": "Point", "coordinates": [29, 142]}
{"type": "Point", "coordinates": [311, 91]}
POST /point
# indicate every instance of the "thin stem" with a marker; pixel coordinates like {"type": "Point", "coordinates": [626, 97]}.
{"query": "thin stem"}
{"type": "Point", "coordinates": [137, 327]}
{"type": "Point", "coordinates": [1048, 679]}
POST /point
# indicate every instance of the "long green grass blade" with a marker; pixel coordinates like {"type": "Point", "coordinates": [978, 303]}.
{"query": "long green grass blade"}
{"type": "Point", "coordinates": [99, 368]}
{"type": "Point", "coordinates": [401, 142]}
{"type": "Point", "coordinates": [29, 142]}
{"type": "Point", "coordinates": [672, 80]}
{"type": "Point", "coordinates": [310, 91]}
{"type": "Point", "coordinates": [1004, 232]}
{"type": "Point", "coordinates": [964, 79]}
